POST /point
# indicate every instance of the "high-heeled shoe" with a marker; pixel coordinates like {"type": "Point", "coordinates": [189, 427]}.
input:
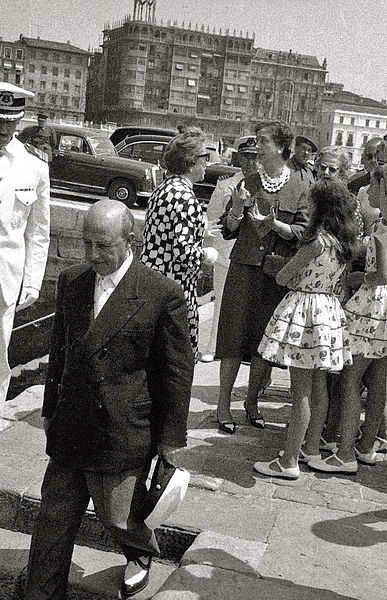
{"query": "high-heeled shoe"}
{"type": "Point", "coordinates": [258, 421]}
{"type": "Point", "coordinates": [226, 426]}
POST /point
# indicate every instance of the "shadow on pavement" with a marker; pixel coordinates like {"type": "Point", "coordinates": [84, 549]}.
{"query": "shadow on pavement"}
{"type": "Point", "coordinates": [364, 530]}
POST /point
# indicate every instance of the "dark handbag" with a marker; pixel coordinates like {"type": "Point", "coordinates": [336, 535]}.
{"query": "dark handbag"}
{"type": "Point", "coordinates": [273, 263]}
{"type": "Point", "coordinates": [77, 433]}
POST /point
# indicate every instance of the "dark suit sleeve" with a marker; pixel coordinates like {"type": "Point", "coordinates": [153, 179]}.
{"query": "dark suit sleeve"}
{"type": "Point", "coordinates": [174, 373]}
{"type": "Point", "coordinates": [57, 355]}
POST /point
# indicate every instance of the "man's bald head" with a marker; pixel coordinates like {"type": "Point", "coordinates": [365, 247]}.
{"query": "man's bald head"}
{"type": "Point", "coordinates": [106, 214]}
{"type": "Point", "coordinates": [107, 234]}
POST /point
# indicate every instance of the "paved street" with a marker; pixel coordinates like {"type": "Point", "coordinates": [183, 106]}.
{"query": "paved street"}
{"type": "Point", "coordinates": [320, 537]}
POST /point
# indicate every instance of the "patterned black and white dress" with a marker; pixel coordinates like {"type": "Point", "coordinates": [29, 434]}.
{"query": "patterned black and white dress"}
{"type": "Point", "coordinates": [173, 236]}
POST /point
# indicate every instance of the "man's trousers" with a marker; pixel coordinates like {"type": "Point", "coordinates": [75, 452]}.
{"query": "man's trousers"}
{"type": "Point", "coordinates": [7, 315]}
{"type": "Point", "coordinates": [65, 497]}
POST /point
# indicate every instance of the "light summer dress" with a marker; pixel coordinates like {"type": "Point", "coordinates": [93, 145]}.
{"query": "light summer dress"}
{"type": "Point", "coordinates": [366, 311]}
{"type": "Point", "coordinates": [308, 328]}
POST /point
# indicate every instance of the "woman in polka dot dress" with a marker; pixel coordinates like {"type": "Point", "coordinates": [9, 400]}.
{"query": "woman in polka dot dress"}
{"type": "Point", "coordinates": [174, 222]}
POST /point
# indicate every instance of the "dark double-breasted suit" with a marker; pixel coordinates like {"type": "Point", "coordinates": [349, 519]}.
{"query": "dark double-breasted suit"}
{"type": "Point", "coordinates": [134, 361]}
{"type": "Point", "coordinates": [117, 386]}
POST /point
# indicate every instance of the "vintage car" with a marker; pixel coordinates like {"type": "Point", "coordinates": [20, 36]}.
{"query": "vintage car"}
{"type": "Point", "coordinates": [85, 160]}
{"type": "Point", "coordinates": [150, 147]}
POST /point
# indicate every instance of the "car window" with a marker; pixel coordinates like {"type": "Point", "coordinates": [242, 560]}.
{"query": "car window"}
{"type": "Point", "coordinates": [102, 146]}
{"type": "Point", "coordinates": [73, 143]}
{"type": "Point", "coordinates": [144, 151]}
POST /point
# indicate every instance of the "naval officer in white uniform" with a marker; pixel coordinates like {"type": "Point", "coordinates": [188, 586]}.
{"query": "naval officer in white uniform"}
{"type": "Point", "coordinates": [24, 222]}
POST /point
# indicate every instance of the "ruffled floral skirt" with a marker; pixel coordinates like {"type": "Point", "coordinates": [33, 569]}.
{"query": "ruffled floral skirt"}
{"type": "Point", "coordinates": [366, 314]}
{"type": "Point", "coordinates": [308, 331]}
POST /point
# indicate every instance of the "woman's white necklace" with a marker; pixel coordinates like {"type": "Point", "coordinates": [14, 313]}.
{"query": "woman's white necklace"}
{"type": "Point", "coordinates": [274, 184]}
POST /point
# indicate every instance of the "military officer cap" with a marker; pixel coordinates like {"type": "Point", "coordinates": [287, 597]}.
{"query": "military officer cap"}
{"type": "Point", "coordinates": [247, 143]}
{"type": "Point", "coordinates": [300, 139]}
{"type": "Point", "coordinates": [12, 101]}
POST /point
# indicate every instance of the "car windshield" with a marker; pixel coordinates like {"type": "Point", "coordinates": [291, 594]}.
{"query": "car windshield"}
{"type": "Point", "coordinates": [102, 146]}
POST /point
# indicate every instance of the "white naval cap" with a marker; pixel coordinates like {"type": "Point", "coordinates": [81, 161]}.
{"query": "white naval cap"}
{"type": "Point", "coordinates": [12, 101]}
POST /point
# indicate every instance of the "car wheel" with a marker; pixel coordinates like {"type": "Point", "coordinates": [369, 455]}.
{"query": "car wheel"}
{"type": "Point", "coordinates": [124, 191]}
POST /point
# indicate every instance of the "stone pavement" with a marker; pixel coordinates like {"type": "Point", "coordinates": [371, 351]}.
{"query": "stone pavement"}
{"type": "Point", "coordinates": [320, 537]}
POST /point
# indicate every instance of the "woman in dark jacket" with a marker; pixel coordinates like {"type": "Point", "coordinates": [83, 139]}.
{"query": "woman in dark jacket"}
{"type": "Point", "coordinates": [267, 215]}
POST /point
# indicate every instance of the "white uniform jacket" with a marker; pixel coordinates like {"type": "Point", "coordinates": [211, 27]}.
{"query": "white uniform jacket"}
{"type": "Point", "coordinates": [24, 220]}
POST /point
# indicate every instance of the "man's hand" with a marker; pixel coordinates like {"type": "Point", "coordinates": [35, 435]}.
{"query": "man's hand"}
{"type": "Point", "coordinates": [167, 452]}
{"type": "Point", "coordinates": [46, 424]}
{"type": "Point", "coordinates": [28, 296]}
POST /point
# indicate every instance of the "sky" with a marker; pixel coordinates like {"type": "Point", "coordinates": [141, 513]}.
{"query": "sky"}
{"type": "Point", "coordinates": [350, 34]}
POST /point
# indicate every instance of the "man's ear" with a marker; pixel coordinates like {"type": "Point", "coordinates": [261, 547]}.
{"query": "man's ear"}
{"type": "Point", "coordinates": [130, 239]}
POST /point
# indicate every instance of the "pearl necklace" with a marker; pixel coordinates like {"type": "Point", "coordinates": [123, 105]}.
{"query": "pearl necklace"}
{"type": "Point", "coordinates": [274, 184]}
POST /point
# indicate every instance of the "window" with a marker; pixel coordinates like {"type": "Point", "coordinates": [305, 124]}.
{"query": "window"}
{"type": "Point", "coordinates": [350, 139]}
{"type": "Point", "coordinates": [64, 101]}
{"type": "Point", "coordinates": [242, 89]}
{"type": "Point", "coordinates": [31, 69]}
{"type": "Point", "coordinates": [45, 55]}
{"type": "Point", "coordinates": [73, 143]}
{"type": "Point", "coordinates": [65, 87]}
{"type": "Point", "coordinates": [54, 85]}
{"type": "Point", "coordinates": [352, 120]}
{"type": "Point", "coordinates": [228, 101]}
{"type": "Point", "coordinates": [42, 85]}
{"type": "Point", "coordinates": [41, 98]}
{"type": "Point", "coordinates": [31, 83]}
{"type": "Point", "coordinates": [339, 138]}
{"type": "Point", "coordinates": [193, 55]}
{"type": "Point", "coordinates": [191, 82]}
{"type": "Point", "coordinates": [341, 120]}
{"type": "Point", "coordinates": [377, 123]}
{"type": "Point", "coordinates": [192, 68]}
{"type": "Point", "coordinates": [55, 71]}
{"type": "Point", "coordinates": [7, 52]}
{"type": "Point", "coordinates": [55, 56]}
{"type": "Point", "coordinates": [179, 66]}
{"type": "Point", "coordinates": [67, 72]}
{"type": "Point", "coordinates": [367, 122]}
{"type": "Point", "coordinates": [43, 70]}
{"type": "Point", "coordinates": [229, 87]}
{"type": "Point", "coordinates": [32, 53]}
{"type": "Point", "coordinates": [19, 54]}
{"type": "Point", "coordinates": [53, 99]}
{"type": "Point", "coordinates": [76, 102]}
{"type": "Point", "coordinates": [365, 140]}
{"type": "Point", "coordinates": [77, 89]}
{"type": "Point", "coordinates": [78, 74]}
{"type": "Point", "coordinates": [5, 76]}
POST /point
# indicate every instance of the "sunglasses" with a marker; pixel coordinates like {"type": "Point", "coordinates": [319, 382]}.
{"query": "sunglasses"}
{"type": "Point", "coordinates": [330, 168]}
{"type": "Point", "coordinates": [206, 155]}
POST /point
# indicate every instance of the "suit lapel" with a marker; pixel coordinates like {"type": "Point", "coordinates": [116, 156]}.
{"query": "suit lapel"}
{"type": "Point", "coordinates": [121, 306]}
{"type": "Point", "coordinates": [81, 303]}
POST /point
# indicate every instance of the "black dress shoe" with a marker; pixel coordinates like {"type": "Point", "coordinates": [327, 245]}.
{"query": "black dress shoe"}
{"type": "Point", "coordinates": [131, 585]}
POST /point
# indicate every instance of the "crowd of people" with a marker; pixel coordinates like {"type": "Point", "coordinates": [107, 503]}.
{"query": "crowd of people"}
{"type": "Point", "coordinates": [299, 255]}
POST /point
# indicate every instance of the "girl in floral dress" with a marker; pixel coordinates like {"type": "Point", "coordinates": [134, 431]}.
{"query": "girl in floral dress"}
{"type": "Point", "coordinates": [307, 331]}
{"type": "Point", "coordinates": [366, 314]}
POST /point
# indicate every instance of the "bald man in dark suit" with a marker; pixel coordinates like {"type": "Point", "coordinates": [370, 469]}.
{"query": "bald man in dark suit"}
{"type": "Point", "coordinates": [117, 393]}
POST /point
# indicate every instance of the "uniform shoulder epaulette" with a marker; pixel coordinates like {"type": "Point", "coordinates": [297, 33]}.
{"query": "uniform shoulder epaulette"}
{"type": "Point", "coordinates": [36, 152]}
{"type": "Point", "coordinates": [225, 176]}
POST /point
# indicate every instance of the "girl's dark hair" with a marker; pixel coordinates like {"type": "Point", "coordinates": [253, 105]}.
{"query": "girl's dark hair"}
{"type": "Point", "coordinates": [334, 212]}
{"type": "Point", "coordinates": [281, 133]}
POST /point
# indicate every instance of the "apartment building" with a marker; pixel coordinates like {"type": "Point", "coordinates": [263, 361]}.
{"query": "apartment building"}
{"type": "Point", "coordinates": [55, 71]}
{"type": "Point", "coordinates": [350, 120]}
{"type": "Point", "coordinates": [172, 74]}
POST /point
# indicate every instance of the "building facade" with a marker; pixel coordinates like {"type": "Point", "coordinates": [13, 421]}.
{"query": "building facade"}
{"type": "Point", "coordinates": [168, 74]}
{"type": "Point", "coordinates": [55, 71]}
{"type": "Point", "coordinates": [349, 121]}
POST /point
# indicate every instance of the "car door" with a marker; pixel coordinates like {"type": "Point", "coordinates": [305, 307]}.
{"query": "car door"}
{"type": "Point", "coordinates": [146, 151]}
{"type": "Point", "coordinates": [74, 165]}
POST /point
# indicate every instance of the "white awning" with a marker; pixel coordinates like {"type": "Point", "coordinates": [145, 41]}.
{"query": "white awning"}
{"type": "Point", "coordinates": [7, 65]}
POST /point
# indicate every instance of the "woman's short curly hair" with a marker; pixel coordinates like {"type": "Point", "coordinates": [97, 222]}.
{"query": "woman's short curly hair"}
{"type": "Point", "coordinates": [281, 133]}
{"type": "Point", "coordinates": [343, 160]}
{"type": "Point", "coordinates": [182, 152]}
